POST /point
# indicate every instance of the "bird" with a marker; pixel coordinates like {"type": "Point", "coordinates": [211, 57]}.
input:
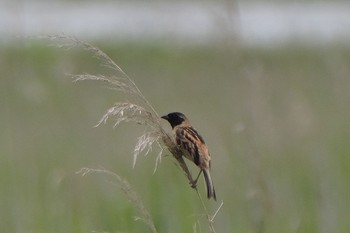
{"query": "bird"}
{"type": "Point", "coordinates": [193, 147]}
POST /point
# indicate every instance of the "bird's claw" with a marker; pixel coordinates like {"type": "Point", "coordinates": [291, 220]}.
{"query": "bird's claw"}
{"type": "Point", "coordinates": [193, 184]}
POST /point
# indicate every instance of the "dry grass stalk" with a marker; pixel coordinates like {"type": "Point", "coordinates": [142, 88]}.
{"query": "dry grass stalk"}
{"type": "Point", "coordinates": [129, 193]}
{"type": "Point", "coordinates": [139, 111]}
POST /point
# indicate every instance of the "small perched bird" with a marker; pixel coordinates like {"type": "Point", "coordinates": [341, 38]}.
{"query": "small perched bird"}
{"type": "Point", "coordinates": [192, 146]}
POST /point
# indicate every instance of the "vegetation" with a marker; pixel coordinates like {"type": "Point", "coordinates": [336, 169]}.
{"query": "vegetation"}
{"type": "Point", "coordinates": [275, 120]}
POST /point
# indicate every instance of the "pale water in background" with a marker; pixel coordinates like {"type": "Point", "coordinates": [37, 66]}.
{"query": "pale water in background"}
{"type": "Point", "coordinates": [248, 23]}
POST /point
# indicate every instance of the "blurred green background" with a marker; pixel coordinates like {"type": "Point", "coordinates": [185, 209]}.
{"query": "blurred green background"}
{"type": "Point", "coordinates": [275, 118]}
{"type": "Point", "coordinates": [276, 122]}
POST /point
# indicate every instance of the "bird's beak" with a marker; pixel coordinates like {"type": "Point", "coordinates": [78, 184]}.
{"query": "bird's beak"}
{"type": "Point", "coordinates": [165, 117]}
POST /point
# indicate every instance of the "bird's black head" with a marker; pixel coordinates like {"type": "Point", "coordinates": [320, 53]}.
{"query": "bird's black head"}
{"type": "Point", "coordinates": [175, 118]}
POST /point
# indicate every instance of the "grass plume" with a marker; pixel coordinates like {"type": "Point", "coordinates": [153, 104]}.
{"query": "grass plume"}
{"type": "Point", "coordinates": [135, 109]}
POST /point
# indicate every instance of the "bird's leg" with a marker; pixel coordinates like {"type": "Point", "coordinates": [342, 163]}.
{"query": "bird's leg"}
{"type": "Point", "coordinates": [194, 183]}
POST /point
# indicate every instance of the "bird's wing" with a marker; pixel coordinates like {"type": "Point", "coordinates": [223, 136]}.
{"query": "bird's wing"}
{"type": "Point", "coordinates": [190, 142]}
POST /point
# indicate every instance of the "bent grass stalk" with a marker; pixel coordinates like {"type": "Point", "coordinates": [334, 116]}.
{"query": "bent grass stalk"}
{"type": "Point", "coordinates": [139, 110]}
{"type": "Point", "coordinates": [129, 193]}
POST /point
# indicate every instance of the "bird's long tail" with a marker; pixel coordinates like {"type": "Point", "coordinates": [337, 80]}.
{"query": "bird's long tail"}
{"type": "Point", "coordinates": [209, 183]}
